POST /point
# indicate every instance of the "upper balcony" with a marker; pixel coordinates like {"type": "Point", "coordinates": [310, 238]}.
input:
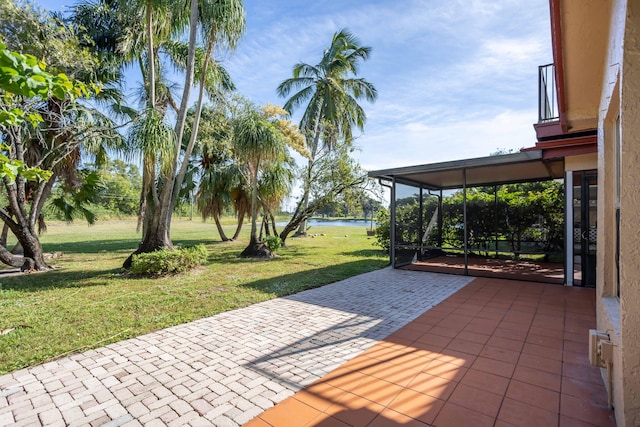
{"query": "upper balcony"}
{"type": "Point", "coordinates": [547, 94]}
{"type": "Point", "coordinates": [553, 137]}
{"type": "Point", "coordinates": [548, 113]}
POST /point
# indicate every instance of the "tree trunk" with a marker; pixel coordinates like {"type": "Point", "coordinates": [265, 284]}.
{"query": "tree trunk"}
{"type": "Point", "coordinates": [33, 257]}
{"type": "Point", "coordinates": [196, 120]}
{"type": "Point", "coordinates": [223, 236]}
{"type": "Point", "coordinates": [17, 249]}
{"type": "Point", "coordinates": [256, 248]}
{"type": "Point", "coordinates": [12, 260]}
{"type": "Point", "coordinates": [298, 216]}
{"type": "Point", "coordinates": [33, 253]}
{"type": "Point", "coordinates": [239, 226]}
{"type": "Point", "coordinates": [151, 59]}
{"type": "Point", "coordinates": [262, 229]}
{"type": "Point", "coordinates": [3, 237]}
{"type": "Point", "coordinates": [273, 224]}
{"type": "Point", "coordinates": [156, 235]}
{"type": "Point", "coordinates": [304, 202]}
{"type": "Point", "coordinates": [22, 224]}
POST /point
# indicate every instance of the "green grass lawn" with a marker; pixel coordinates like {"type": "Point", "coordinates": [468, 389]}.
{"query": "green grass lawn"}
{"type": "Point", "coordinates": [89, 302]}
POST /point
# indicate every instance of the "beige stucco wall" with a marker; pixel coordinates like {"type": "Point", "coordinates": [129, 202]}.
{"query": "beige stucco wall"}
{"type": "Point", "coordinates": [582, 25]}
{"type": "Point", "coordinates": [581, 162]}
{"type": "Point", "coordinates": [621, 317]}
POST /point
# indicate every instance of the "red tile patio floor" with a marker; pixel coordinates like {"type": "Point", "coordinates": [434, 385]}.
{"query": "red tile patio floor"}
{"type": "Point", "coordinates": [496, 353]}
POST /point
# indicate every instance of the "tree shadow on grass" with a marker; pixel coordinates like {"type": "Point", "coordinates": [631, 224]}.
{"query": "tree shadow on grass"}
{"type": "Point", "coordinates": [93, 246]}
{"type": "Point", "coordinates": [58, 279]}
{"type": "Point", "coordinates": [366, 252]}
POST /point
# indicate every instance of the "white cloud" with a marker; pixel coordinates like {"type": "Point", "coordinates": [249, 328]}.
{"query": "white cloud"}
{"type": "Point", "coordinates": [420, 143]}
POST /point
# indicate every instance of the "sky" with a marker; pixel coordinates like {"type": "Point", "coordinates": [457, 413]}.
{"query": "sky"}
{"type": "Point", "coordinates": [455, 78]}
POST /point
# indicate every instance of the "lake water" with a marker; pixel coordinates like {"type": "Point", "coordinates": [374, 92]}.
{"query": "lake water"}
{"type": "Point", "coordinates": [335, 223]}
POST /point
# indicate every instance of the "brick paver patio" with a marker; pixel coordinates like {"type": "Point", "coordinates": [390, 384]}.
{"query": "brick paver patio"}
{"type": "Point", "coordinates": [226, 369]}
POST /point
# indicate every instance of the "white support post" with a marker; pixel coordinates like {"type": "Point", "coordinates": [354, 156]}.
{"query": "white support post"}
{"type": "Point", "coordinates": [568, 226]}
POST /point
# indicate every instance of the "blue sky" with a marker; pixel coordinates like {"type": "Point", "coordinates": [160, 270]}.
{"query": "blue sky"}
{"type": "Point", "coordinates": [456, 78]}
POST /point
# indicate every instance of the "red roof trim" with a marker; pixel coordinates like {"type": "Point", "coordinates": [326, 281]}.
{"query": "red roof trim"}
{"type": "Point", "coordinates": [556, 42]}
{"type": "Point", "coordinates": [562, 152]}
{"type": "Point", "coordinates": [567, 142]}
{"type": "Point", "coordinates": [568, 146]}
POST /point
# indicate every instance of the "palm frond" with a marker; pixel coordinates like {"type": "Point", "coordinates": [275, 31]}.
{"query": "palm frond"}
{"type": "Point", "coordinates": [225, 20]}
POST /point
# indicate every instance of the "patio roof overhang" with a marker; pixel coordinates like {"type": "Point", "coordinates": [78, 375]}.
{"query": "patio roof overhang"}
{"type": "Point", "coordinates": [524, 166]}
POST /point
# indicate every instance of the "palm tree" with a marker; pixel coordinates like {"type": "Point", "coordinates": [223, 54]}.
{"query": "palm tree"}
{"type": "Point", "coordinates": [150, 35]}
{"type": "Point", "coordinates": [257, 141]}
{"type": "Point", "coordinates": [260, 142]}
{"type": "Point", "coordinates": [222, 23]}
{"type": "Point", "coordinates": [274, 186]}
{"type": "Point", "coordinates": [225, 22]}
{"type": "Point", "coordinates": [329, 92]}
{"type": "Point", "coordinates": [222, 187]}
{"type": "Point", "coordinates": [222, 184]}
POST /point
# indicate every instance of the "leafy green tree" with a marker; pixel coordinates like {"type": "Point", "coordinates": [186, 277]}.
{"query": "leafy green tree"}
{"type": "Point", "coordinates": [528, 216]}
{"type": "Point", "coordinates": [408, 221]}
{"type": "Point", "coordinates": [329, 93]}
{"type": "Point", "coordinates": [552, 214]}
{"type": "Point", "coordinates": [118, 192]}
{"type": "Point", "coordinates": [334, 173]}
{"type": "Point", "coordinates": [30, 97]}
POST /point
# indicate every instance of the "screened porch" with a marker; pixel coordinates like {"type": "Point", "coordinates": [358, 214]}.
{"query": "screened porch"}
{"type": "Point", "coordinates": [499, 216]}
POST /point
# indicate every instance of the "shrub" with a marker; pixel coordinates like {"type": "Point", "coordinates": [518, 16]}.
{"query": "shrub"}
{"type": "Point", "coordinates": [382, 229]}
{"type": "Point", "coordinates": [273, 243]}
{"type": "Point", "coordinates": [165, 261]}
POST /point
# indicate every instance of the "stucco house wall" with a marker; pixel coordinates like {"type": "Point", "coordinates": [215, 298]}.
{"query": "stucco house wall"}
{"type": "Point", "coordinates": [619, 119]}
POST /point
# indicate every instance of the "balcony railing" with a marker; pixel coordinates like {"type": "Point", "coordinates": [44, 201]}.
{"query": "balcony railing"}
{"type": "Point", "coordinates": [547, 96]}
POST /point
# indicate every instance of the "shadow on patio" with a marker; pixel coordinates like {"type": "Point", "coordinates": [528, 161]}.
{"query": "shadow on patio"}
{"type": "Point", "coordinates": [496, 353]}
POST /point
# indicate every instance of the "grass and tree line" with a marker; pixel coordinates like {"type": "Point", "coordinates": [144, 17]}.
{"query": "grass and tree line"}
{"type": "Point", "coordinates": [240, 162]}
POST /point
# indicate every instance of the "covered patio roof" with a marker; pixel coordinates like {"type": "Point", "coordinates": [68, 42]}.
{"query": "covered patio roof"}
{"type": "Point", "coordinates": [491, 170]}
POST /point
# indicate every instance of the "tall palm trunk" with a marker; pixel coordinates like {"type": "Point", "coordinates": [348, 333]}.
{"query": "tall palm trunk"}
{"type": "Point", "coordinates": [159, 208]}
{"type": "Point", "coordinates": [173, 180]}
{"type": "Point", "coordinates": [239, 226]}
{"type": "Point", "coordinates": [216, 219]}
{"type": "Point", "coordinates": [196, 123]}
{"type": "Point", "coordinates": [151, 59]}
{"type": "Point", "coordinates": [254, 209]}
{"type": "Point", "coordinates": [155, 230]}
{"type": "Point", "coordinates": [255, 248]}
